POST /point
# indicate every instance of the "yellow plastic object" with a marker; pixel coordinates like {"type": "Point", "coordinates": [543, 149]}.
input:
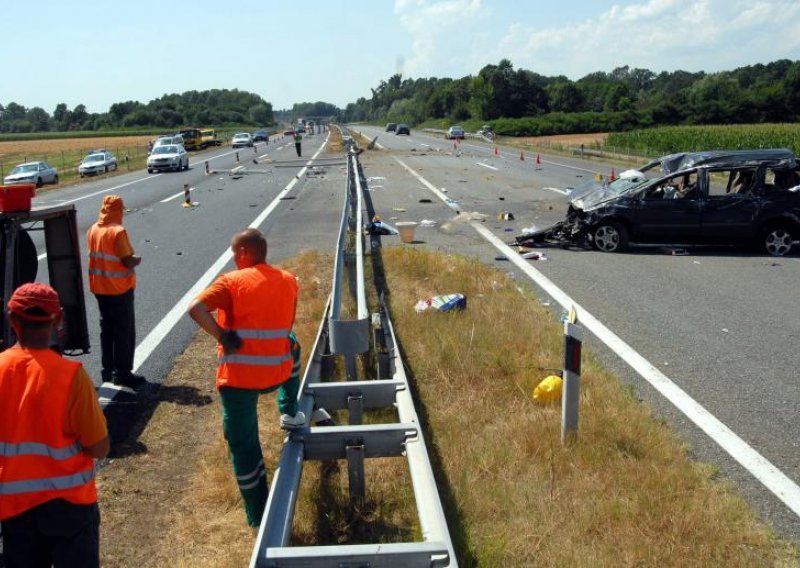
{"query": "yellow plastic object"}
{"type": "Point", "coordinates": [549, 390]}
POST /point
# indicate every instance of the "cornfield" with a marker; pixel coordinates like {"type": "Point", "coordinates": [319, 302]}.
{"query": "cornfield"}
{"type": "Point", "coordinates": [671, 139]}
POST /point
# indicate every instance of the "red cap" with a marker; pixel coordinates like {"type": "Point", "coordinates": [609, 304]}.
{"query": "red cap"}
{"type": "Point", "coordinates": [35, 301]}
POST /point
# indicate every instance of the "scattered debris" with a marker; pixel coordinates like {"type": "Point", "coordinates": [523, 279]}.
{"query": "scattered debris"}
{"type": "Point", "coordinates": [445, 303]}
{"type": "Point", "coordinates": [724, 330]}
{"type": "Point", "coordinates": [375, 178]}
{"type": "Point", "coordinates": [509, 229]}
{"type": "Point", "coordinates": [548, 390]}
{"type": "Point", "coordinates": [398, 209]}
{"type": "Point", "coordinates": [427, 223]}
{"type": "Point", "coordinates": [533, 255]}
{"type": "Point", "coordinates": [676, 251]}
{"type": "Point", "coordinates": [501, 257]}
{"type": "Point", "coordinates": [505, 216]}
{"type": "Point", "coordinates": [529, 230]}
{"type": "Point", "coordinates": [287, 197]}
{"type": "Point", "coordinates": [501, 198]}
{"type": "Point", "coordinates": [425, 200]}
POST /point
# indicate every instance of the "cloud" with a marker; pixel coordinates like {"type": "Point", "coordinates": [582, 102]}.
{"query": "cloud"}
{"type": "Point", "coordinates": [437, 30]}
{"type": "Point", "coordinates": [707, 35]}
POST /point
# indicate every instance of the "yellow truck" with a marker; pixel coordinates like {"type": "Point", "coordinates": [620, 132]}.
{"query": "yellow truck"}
{"type": "Point", "coordinates": [192, 140]}
{"type": "Point", "coordinates": [209, 138]}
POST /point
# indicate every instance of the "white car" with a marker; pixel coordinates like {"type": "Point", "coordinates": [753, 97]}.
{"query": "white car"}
{"type": "Point", "coordinates": [97, 163]}
{"type": "Point", "coordinates": [36, 173]}
{"type": "Point", "coordinates": [242, 139]}
{"type": "Point", "coordinates": [168, 157]}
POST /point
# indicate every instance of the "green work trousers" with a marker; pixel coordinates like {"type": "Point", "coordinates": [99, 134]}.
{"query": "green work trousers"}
{"type": "Point", "coordinates": [240, 425]}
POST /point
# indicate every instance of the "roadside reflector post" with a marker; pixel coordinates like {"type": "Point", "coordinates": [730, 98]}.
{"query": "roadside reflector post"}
{"type": "Point", "coordinates": [355, 408]}
{"type": "Point", "coordinates": [570, 394]}
{"type": "Point", "coordinates": [207, 170]}
{"type": "Point", "coordinates": [255, 148]}
{"type": "Point", "coordinates": [237, 157]}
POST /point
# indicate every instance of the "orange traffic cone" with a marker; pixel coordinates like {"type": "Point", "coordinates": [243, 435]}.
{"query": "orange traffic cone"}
{"type": "Point", "coordinates": [613, 176]}
{"type": "Point", "coordinates": [521, 157]}
{"type": "Point", "coordinates": [538, 162]}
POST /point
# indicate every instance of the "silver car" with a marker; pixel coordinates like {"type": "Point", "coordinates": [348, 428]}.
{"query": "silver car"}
{"type": "Point", "coordinates": [168, 157]}
{"type": "Point", "coordinates": [242, 139]}
{"type": "Point", "coordinates": [97, 163]}
{"type": "Point", "coordinates": [36, 173]}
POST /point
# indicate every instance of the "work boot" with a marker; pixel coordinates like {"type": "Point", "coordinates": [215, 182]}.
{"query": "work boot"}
{"type": "Point", "coordinates": [130, 380]}
{"type": "Point", "coordinates": [293, 422]}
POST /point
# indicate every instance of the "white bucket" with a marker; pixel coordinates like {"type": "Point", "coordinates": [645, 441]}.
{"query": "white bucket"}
{"type": "Point", "coordinates": [406, 230]}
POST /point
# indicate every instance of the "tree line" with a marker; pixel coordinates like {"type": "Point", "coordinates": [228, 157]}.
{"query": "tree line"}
{"type": "Point", "coordinates": [213, 107]}
{"type": "Point", "coordinates": [623, 99]}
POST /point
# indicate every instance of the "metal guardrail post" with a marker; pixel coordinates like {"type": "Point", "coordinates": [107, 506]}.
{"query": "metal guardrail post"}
{"type": "Point", "coordinates": [570, 396]}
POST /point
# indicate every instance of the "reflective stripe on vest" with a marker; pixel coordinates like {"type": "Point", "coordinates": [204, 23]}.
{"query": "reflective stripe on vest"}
{"type": "Point", "coordinates": [104, 256]}
{"type": "Point", "coordinates": [262, 333]}
{"type": "Point", "coordinates": [8, 450]}
{"type": "Point", "coordinates": [47, 483]}
{"type": "Point", "coordinates": [110, 273]}
{"type": "Point", "coordinates": [262, 360]}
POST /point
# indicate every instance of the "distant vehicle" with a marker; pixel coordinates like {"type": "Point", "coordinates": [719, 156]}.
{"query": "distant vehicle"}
{"type": "Point", "coordinates": [97, 163]}
{"type": "Point", "coordinates": [403, 129]}
{"type": "Point", "coordinates": [209, 138]}
{"type": "Point", "coordinates": [288, 132]}
{"type": "Point", "coordinates": [168, 140]}
{"type": "Point", "coordinates": [455, 132]}
{"type": "Point", "coordinates": [486, 131]}
{"type": "Point", "coordinates": [260, 136]}
{"type": "Point", "coordinates": [241, 140]}
{"type": "Point", "coordinates": [391, 126]}
{"type": "Point", "coordinates": [714, 197]}
{"type": "Point", "coordinates": [168, 157]}
{"type": "Point", "coordinates": [192, 138]}
{"type": "Point", "coordinates": [36, 173]}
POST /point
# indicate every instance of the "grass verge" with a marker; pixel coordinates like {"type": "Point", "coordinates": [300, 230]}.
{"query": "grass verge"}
{"type": "Point", "coordinates": [626, 493]}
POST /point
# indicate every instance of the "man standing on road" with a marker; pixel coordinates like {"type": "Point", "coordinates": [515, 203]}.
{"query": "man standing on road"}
{"type": "Point", "coordinates": [51, 428]}
{"type": "Point", "coordinates": [112, 280]}
{"type": "Point", "coordinates": [256, 352]}
{"type": "Point", "coordinates": [298, 138]}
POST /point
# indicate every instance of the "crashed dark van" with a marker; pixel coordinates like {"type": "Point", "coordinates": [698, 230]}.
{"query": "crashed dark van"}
{"type": "Point", "coordinates": [716, 197]}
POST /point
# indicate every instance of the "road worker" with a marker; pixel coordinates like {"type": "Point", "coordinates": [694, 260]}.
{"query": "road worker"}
{"type": "Point", "coordinates": [112, 280]}
{"type": "Point", "coordinates": [298, 139]}
{"type": "Point", "coordinates": [51, 429]}
{"type": "Point", "coordinates": [255, 307]}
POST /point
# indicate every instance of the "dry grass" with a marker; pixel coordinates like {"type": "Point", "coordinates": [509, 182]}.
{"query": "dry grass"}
{"type": "Point", "coordinates": [626, 493]}
{"type": "Point", "coordinates": [58, 145]}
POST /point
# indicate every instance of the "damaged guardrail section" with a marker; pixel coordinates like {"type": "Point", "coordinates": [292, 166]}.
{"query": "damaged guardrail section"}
{"type": "Point", "coordinates": [354, 442]}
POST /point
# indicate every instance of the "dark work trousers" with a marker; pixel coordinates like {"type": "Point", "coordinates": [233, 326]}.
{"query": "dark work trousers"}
{"type": "Point", "coordinates": [117, 333]}
{"type": "Point", "coordinates": [297, 147]}
{"type": "Point", "coordinates": [56, 533]}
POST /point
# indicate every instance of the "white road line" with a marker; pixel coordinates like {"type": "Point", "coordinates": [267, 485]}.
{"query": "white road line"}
{"type": "Point", "coordinates": [561, 191]}
{"type": "Point", "coordinates": [762, 469]}
{"type": "Point", "coordinates": [42, 256]}
{"type": "Point", "coordinates": [486, 166]}
{"type": "Point", "coordinates": [171, 197]}
{"type": "Point", "coordinates": [162, 329]}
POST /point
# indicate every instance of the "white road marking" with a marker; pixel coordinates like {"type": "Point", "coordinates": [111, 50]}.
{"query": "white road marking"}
{"type": "Point", "coordinates": [762, 469]}
{"type": "Point", "coordinates": [42, 256]}
{"type": "Point", "coordinates": [162, 329]}
{"type": "Point", "coordinates": [171, 197]}
{"type": "Point", "coordinates": [486, 166]}
{"type": "Point", "coordinates": [561, 191]}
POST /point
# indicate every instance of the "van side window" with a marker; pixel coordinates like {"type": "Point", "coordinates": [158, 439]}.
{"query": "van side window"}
{"type": "Point", "coordinates": [722, 183]}
{"type": "Point", "coordinates": [781, 180]}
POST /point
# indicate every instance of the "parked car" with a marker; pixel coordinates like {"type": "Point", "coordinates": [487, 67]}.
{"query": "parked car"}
{"type": "Point", "coordinates": [36, 173]}
{"type": "Point", "coordinates": [391, 127]}
{"type": "Point", "coordinates": [260, 136]}
{"type": "Point", "coordinates": [455, 132]}
{"type": "Point", "coordinates": [97, 163]}
{"type": "Point", "coordinates": [168, 157]}
{"type": "Point", "coordinates": [403, 129]}
{"type": "Point", "coordinates": [716, 197]}
{"type": "Point", "coordinates": [242, 139]}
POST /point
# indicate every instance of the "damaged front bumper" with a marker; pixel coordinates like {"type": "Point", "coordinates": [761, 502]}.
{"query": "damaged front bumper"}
{"type": "Point", "coordinates": [572, 231]}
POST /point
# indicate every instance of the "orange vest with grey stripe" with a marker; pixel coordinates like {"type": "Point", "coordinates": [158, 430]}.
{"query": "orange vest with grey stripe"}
{"type": "Point", "coordinates": [107, 274]}
{"type": "Point", "coordinates": [38, 461]}
{"type": "Point", "coordinates": [264, 299]}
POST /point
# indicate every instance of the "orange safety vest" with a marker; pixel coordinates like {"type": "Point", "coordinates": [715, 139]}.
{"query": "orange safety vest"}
{"type": "Point", "coordinates": [107, 274]}
{"type": "Point", "coordinates": [264, 300]}
{"type": "Point", "coordinates": [38, 461]}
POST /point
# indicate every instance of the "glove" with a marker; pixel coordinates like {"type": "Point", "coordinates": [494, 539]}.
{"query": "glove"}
{"type": "Point", "coordinates": [230, 341]}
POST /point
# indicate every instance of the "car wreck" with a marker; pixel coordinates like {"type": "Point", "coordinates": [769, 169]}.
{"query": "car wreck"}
{"type": "Point", "coordinates": [735, 197]}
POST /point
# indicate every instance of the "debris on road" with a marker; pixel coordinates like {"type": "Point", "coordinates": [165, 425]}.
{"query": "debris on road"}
{"type": "Point", "coordinates": [444, 303]}
{"type": "Point", "coordinates": [501, 257]}
{"type": "Point", "coordinates": [425, 200]}
{"type": "Point", "coordinates": [505, 216]}
{"type": "Point", "coordinates": [427, 223]}
{"type": "Point", "coordinates": [533, 255]}
{"type": "Point", "coordinates": [398, 209]}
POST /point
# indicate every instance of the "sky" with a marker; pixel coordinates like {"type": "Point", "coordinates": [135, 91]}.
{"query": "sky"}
{"type": "Point", "coordinates": [99, 53]}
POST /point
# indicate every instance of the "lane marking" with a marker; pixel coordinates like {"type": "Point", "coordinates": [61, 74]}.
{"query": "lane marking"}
{"type": "Point", "coordinates": [162, 329]}
{"type": "Point", "coordinates": [42, 256]}
{"type": "Point", "coordinates": [171, 197]}
{"type": "Point", "coordinates": [759, 467]}
{"type": "Point", "coordinates": [561, 191]}
{"type": "Point", "coordinates": [486, 166]}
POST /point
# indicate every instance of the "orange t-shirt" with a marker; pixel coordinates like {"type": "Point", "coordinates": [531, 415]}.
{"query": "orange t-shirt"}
{"type": "Point", "coordinates": [84, 418]}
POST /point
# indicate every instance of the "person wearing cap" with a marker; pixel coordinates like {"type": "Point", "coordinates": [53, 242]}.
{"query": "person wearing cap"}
{"type": "Point", "coordinates": [257, 353]}
{"type": "Point", "coordinates": [51, 430]}
{"type": "Point", "coordinates": [112, 280]}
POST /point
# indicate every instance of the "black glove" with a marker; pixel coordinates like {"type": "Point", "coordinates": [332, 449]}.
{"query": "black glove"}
{"type": "Point", "coordinates": [230, 341]}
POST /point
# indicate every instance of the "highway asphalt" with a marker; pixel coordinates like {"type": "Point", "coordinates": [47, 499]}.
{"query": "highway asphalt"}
{"type": "Point", "coordinates": [722, 324]}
